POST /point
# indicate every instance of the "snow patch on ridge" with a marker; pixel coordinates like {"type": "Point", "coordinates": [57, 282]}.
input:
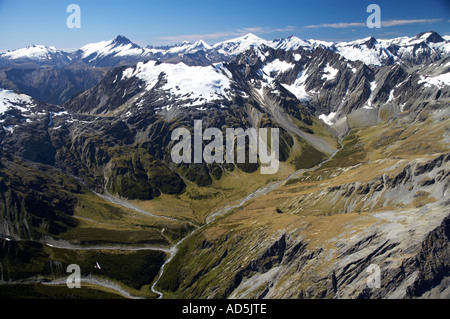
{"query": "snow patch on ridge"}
{"type": "Point", "coordinates": [298, 88]}
{"type": "Point", "coordinates": [277, 66]}
{"type": "Point", "coordinates": [329, 119]}
{"type": "Point", "coordinates": [440, 81]}
{"type": "Point", "coordinates": [373, 86]}
{"type": "Point", "coordinates": [329, 73]}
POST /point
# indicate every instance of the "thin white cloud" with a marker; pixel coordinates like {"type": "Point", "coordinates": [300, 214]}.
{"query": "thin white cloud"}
{"type": "Point", "coordinates": [389, 23]}
{"type": "Point", "coordinates": [337, 25]}
{"type": "Point", "coordinates": [392, 23]}
{"type": "Point", "coordinates": [288, 28]}
{"type": "Point", "coordinates": [225, 34]}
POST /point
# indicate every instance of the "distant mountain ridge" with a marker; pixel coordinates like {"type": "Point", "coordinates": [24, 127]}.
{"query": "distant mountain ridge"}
{"type": "Point", "coordinates": [122, 51]}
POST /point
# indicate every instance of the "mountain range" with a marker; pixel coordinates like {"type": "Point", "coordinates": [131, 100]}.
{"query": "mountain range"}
{"type": "Point", "coordinates": [364, 166]}
{"type": "Point", "coordinates": [121, 50]}
{"type": "Point", "coordinates": [62, 75]}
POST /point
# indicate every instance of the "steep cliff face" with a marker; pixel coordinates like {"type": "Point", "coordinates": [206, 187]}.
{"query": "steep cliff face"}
{"type": "Point", "coordinates": [408, 267]}
{"type": "Point", "coordinates": [414, 182]}
{"type": "Point", "coordinates": [35, 200]}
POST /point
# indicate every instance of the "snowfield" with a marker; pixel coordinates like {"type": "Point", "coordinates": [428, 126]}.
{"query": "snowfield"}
{"type": "Point", "coordinates": [196, 83]}
{"type": "Point", "coordinates": [329, 119]}
{"type": "Point", "coordinates": [9, 99]}
{"type": "Point", "coordinates": [329, 73]}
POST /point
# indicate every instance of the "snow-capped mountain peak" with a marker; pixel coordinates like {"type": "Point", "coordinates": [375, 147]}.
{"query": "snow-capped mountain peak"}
{"type": "Point", "coordinates": [290, 43]}
{"type": "Point", "coordinates": [103, 52]}
{"type": "Point", "coordinates": [119, 45]}
{"type": "Point", "coordinates": [188, 47]}
{"type": "Point", "coordinates": [202, 44]}
{"type": "Point", "coordinates": [251, 38]}
{"type": "Point", "coordinates": [239, 45]}
{"type": "Point", "coordinates": [37, 52]}
{"type": "Point", "coordinates": [430, 37]}
{"type": "Point", "coordinates": [39, 55]}
{"type": "Point", "coordinates": [122, 40]}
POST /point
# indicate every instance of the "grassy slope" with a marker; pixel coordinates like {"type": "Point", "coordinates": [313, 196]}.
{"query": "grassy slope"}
{"type": "Point", "coordinates": [196, 203]}
{"type": "Point", "coordinates": [104, 222]}
{"type": "Point", "coordinates": [209, 261]}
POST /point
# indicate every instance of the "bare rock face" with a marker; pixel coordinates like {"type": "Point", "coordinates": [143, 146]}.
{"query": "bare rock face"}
{"type": "Point", "coordinates": [408, 268]}
{"type": "Point", "coordinates": [32, 204]}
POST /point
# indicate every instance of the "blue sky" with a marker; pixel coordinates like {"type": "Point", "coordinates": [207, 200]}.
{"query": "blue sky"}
{"type": "Point", "coordinates": [26, 22]}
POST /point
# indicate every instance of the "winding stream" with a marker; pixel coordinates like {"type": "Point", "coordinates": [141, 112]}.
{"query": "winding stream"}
{"type": "Point", "coordinates": [258, 192]}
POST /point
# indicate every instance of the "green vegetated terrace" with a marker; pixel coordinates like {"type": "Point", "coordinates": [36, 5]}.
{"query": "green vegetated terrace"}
{"type": "Point", "coordinates": [29, 260]}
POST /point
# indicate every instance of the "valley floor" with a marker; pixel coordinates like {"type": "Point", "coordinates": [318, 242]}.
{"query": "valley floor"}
{"type": "Point", "coordinates": [380, 201]}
